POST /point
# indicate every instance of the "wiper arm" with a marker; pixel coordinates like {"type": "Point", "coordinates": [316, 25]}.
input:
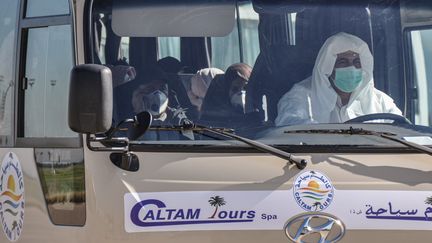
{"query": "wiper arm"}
{"type": "Point", "coordinates": [255, 144]}
{"type": "Point", "coordinates": [361, 131]}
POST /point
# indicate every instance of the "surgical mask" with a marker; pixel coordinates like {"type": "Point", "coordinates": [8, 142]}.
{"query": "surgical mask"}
{"type": "Point", "coordinates": [238, 100]}
{"type": "Point", "coordinates": [156, 103]}
{"type": "Point", "coordinates": [348, 79]}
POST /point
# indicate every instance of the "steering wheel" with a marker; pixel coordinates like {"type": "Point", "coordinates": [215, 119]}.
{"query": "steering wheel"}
{"type": "Point", "coordinates": [397, 119]}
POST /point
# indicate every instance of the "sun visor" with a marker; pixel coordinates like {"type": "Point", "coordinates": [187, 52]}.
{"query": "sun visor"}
{"type": "Point", "coordinates": [184, 18]}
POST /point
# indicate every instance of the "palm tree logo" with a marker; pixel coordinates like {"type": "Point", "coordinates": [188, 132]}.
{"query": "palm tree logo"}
{"type": "Point", "coordinates": [316, 205]}
{"type": "Point", "coordinates": [217, 202]}
{"type": "Point", "coordinates": [14, 225]}
{"type": "Point", "coordinates": [428, 200]}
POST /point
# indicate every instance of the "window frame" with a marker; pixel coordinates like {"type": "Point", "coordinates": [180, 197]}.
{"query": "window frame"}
{"type": "Point", "coordinates": [157, 147]}
{"type": "Point", "coordinates": [410, 86]}
{"type": "Point", "coordinates": [15, 66]}
{"type": "Point", "coordinates": [24, 11]}
{"type": "Point", "coordinates": [24, 24]}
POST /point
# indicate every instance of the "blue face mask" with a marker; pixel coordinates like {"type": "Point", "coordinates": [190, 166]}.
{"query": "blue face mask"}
{"type": "Point", "coordinates": [348, 79]}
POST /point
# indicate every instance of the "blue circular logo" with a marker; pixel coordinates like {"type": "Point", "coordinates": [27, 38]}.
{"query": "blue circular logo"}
{"type": "Point", "coordinates": [11, 197]}
{"type": "Point", "coordinates": [313, 191]}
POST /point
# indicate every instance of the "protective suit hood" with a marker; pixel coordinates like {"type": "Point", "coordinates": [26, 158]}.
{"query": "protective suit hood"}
{"type": "Point", "coordinates": [324, 97]}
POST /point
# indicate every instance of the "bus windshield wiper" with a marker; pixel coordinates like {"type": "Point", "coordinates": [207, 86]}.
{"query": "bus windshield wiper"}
{"type": "Point", "coordinates": [361, 131]}
{"type": "Point", "coordinates": [300, 163]}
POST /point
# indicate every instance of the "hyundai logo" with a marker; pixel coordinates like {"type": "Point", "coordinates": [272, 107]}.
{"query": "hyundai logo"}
{"type": "Point", "coordinates": [320, 228]}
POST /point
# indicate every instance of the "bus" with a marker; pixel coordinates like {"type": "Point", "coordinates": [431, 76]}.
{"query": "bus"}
{"type": "Point", "coordinates": [215, 121]}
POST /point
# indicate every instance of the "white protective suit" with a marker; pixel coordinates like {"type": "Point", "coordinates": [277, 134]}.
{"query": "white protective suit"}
{"type": "Point", "coordinates": [315, 101]}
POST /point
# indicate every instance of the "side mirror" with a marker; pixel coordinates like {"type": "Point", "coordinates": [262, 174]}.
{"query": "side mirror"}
{"type": "Point", "coordinates": [90, 99]}
{"type": "Point", "coordinates": [142, 122]}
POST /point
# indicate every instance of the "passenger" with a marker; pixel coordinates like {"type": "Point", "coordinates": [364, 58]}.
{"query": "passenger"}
{"type": "Point", "coordinates": [178, 94]}
{"type": "Point", "coordinates": [122, 72]}
{"type": "Point", "coordinates": [200, 83]}
{"type": "Point", "coordinates": [153, 96]}
{"type": "Point", "coordinates": [226, 95]}
{"type": "Point", "coordinates": [341, 87]}
{"type": "Point", "coordinates": [170, 65]}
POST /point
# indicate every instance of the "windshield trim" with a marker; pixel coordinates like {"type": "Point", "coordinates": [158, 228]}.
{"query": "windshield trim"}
{"type": "Point", "coordinates": [294, 149]}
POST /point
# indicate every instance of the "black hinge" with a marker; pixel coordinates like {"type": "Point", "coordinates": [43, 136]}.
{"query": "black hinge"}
{"type": "Point", "coordinates": [25, 83]}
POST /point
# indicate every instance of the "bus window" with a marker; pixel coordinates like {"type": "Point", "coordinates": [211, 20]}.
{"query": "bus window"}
{"type": "Point", "coordinates": [225, 50]}
{"type": "Point", "coordinates": [37, 8]}
{"type": "Point", "coordinates": [286, 86]}
{"type": "Point", "coordinates": [8, 23]}
{"type": "Point", "coordinates": [169, 46]}
{"type": "Point", "coordinates": [422, 60]}
{"type": "Point", "coordinates": [48, 63]}
{"type": "Point", "coordinates": [249, 33]}
{"type": "Point", "coordinates": [243, 39]}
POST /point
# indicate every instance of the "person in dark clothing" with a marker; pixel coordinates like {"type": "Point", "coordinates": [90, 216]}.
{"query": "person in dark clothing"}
{"type": "Point", "coordinates": [170, 64]}
{"type": "Point", "coordinates": [226, 95]}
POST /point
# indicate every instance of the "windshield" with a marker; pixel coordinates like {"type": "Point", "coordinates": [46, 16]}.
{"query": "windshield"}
{"type": "Point", "coordinates": [281, 65]}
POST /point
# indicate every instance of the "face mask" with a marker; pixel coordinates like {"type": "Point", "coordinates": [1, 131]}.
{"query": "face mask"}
{"type": "Point", "coordinates": [348, 79]}
{"type": "Point", "coordinates": [156, 102]}
{"type": "Point", "coordinates": [238, 100]}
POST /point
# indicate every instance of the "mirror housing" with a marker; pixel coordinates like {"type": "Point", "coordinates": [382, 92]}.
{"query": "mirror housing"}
{"type": "Point", "coordinates": [90, 99]}
{"type": "Point", "coordinates": [142, 122]}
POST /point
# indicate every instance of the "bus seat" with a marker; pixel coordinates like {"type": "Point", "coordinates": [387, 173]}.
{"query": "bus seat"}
{"type": "Point", "coordinates": [276, 70]}
{"type": "Point", "coordinates": [314, 25]}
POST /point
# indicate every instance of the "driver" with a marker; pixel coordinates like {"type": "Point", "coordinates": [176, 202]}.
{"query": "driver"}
{"type": "Point", "coordinates": [341, 87]}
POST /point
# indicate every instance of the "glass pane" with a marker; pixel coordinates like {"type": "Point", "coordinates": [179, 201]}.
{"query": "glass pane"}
{"type": "Point", "coordinates": [61, 173]}
{"type": "Point", "coordinates": [49, 61]}
{"type": "Point", "coordinates": [59, 65]}
{"type": "Point", "coordinates": [249, 20]}
{"type": "Point", "coordinates": [8, 17]}
{"type": "Point", "coordinates": [320, 63]}
{"type": "Point", "coordinates": [225, 50]}
{"type": "Point", "coordinates": [37, 8]}
{"type": "Point", "coordinates": [124, 48]}
{"type": "Point", "coordinates": [169, 46]}
{"type": "Point", "coordinates": [422, 48]}
{"type": "Point", "coordinates": [36, 75]}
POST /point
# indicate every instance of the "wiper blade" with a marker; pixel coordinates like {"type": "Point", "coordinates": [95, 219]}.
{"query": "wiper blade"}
{"type": "Point", "coordinates": [229, 133]}
{"type": "Point", "coordinates": [361, 131]}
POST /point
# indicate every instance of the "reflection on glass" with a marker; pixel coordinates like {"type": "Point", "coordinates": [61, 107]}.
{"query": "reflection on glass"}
{"type": "Point", "coordinates": [48, 63]}
{"type": "Point", "coordinates": [422, 48]}
{"type": "Point", "coordinates": [63, 183]}
{"type": "Point", "coordinates": [37, 8]}
{"type": "Point", "coordinates": [8, 12]}
{"type": "Point", "coordinates": [312, 64]}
